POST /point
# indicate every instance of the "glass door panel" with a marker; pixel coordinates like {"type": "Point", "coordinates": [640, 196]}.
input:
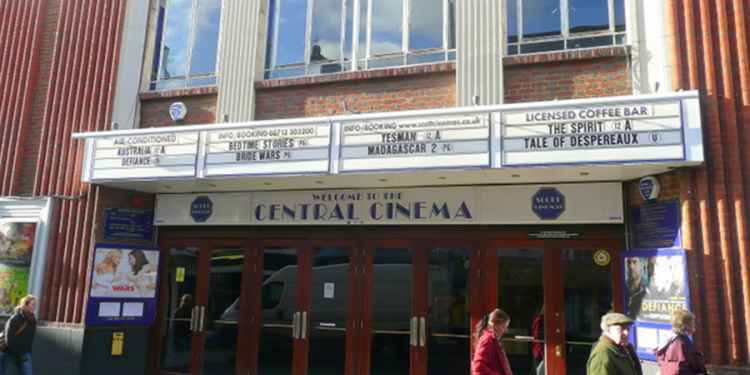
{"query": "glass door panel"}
{"type": "Point", "coordinates": [278, 310]}
{"type": "Point", "coordinates": [448, 311]}
{"type": "Point", "coordinates": [521, 295]}
{"type": "Point", "coordinates": [391, 311]}
{"type": "Point", "coordinates": [177, 329]}
{"type": "Point", "coordinates": [587, 296]}
{"type": "Point", "coordinates": [328, 311]}
{"type": "Point", "coordinates": [222, 311]}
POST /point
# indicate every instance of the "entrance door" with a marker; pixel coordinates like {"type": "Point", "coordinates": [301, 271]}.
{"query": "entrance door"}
{"type": "Point", "coordinates": [202, 288]}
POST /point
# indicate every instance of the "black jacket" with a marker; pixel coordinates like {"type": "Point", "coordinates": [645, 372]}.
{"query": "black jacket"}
{"type": "Point", "coordinates": [20, 340]}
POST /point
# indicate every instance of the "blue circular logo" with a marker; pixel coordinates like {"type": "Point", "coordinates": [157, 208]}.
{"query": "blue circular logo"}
{"type": "Point", "coordinates": [548, 203]}
{"type": "Point", "coordinates": [201, 209]}
{"type": "Point", "coordinates": [649, 188]}
{"type": "Point", "coordinates": [177, 111]}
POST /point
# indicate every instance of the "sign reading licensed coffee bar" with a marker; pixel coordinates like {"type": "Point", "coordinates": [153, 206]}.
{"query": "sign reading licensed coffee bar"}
{"type": "Point", "coordinates": [422, 142]}
{"type": "Point", "coordinates": [268, 150]}
{"type": "Point", "coordinates": [171, 154]}
{"type": "Point", "coordinates": [604, 133]}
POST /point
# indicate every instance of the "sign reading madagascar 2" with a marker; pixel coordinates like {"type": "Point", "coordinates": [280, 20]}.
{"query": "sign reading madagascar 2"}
{"type": "Point", "coordinates": [634, 129]}
{"type": "Point", "coordinates": [123, 285]}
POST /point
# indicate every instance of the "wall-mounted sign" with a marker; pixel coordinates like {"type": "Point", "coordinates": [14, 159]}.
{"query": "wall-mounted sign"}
{"type": "Point", "coordinates": [655, 225]}
{"type": "Point", "coordinates": [201, 209]}
{"type": "Point", "coordinates": [595, 133]}
{"type": "Point", "coordinates": [548, 203]}
{"type": "Point", "coordinates": [16, 249]}
{"type": "Point", "coordinates": [129, 223]}
{"type": "Point", "coordinates": [123, 285]}
{"type": "Point", "coordinates": [649, 187]}
{"type": "Point", "coordinates": [145, 156]}
{"type": "Point", "coordinates": [424, 142]}
{"type": "Point", "coordinates": [268, 150]}
{"type": "Point", "coordinates": [584, 203]}
{"type": "Point", "coordinates": [177, 111]}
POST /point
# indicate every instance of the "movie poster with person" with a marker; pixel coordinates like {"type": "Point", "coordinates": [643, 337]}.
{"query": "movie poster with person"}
{"type": "Point", "coordinates": [16, 249]}
{"type": "Point", "coordinates": [124, 280]}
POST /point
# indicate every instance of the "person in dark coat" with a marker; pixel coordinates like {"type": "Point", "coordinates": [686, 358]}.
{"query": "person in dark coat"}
{"type": "Point", "coordinates": [19, 335]}
{"type": "Point", "coordinates": [678, 355]}
{"type": "Point", "coordinates": [613, 354]}
{"type": "Point", "coordinates": [489, 354]}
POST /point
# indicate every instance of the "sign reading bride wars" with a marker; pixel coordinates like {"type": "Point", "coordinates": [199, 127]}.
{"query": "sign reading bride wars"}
{"type": "Point", "coordinates": [123, 285]}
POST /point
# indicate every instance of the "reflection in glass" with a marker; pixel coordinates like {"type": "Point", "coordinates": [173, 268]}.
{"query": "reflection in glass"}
{"type": "Point", "coordinates": [279, 303]}
{"type": "Point", "coordinates": [223, 311]}
{"type": "Point", "coordinates": [288, 31]}
{"type": "Point", "coordinates": [391, 311]}
{"type": "Point", "coordinates": [588, 296]}
{"type": "Point", "coordinates": [175, 39]}
{"type": "Point", "coordinates": [541, 18]}
{"type": "Point", "coordinates": [328, 311]}
{"type": "Point", "coordinates": [448, 312]}
{"type": "Point", "coordinates": [326, 31]}
{"type": "Point", "coordinates": [451, 25]}
{"type": "Point", "coordinates": [426, 24]}
{"type": "Point", "coordinates": [512, 9]}
{"type": "Point", "coordinates": [619, 15]}
{"type": "Point", "coordinates": [206, 37]}
{"type": "Point", "coordinates": [387, 16]}
{"type": "Point", "coordinates": [521, 295]}
{"type": "Point", "coordinates": [588, 15]}
{"type": "Point", "coordinates": [182, 266]}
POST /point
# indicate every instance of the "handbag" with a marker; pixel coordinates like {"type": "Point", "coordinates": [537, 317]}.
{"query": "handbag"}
{"type": "Point", "coordinates": [4, 342]}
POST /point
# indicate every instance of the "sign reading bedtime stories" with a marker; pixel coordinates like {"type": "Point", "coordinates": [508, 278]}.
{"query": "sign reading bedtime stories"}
{"type": "Point", "coordinates": [145, 156]}
{"type": "Point", "coordinates": [593, 134]}
{"type": "Point", "coordinates": [268, 150]}
{"type": "Point", "coordinates": [123, 285]}
{"type": "Point", "coordinates": [424, 142]}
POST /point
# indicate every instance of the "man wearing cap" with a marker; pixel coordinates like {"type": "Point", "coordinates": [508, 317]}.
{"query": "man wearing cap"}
{"type": "Point", "coordinates": [613, 354]}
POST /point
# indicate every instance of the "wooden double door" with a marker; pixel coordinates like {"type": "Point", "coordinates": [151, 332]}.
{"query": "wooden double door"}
{"type": "Point", "coordinates": [372, 304]}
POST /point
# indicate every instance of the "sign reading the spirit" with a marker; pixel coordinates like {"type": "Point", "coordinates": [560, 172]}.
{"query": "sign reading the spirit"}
{"type": "Point", "coordinates": [268, 150]}
{"type": "Point", "coordinates": [145, 156]}
{"type": "Point", "coordinates": [424, 142]}
{"type": "Point", "coordinates": [594, 134]}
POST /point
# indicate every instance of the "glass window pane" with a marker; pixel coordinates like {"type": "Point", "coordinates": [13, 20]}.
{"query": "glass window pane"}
{"type": "Point", "coordinates": [541, 18]}
{"type": "Point", "coordinates": [588, 15]}
{"type": "Point", "coordinates": [279, 303]}
{"type": "Point", "coordinates": [387, 16]}
{"type": "Point", "coordinates": [619, 15]}
{"type": "Point", "coordinates": [175, 42]}
{"type": "Point", "coordinates": [176, 339]}
{"type": "Point", "coordinates": [512, 21]}
{"type": "Point", "coordinates": [451, 24]}
{"type": "Point", "coordinates": [206, 37]}
{"type": "Point", "coordinates": [349, 31]}
{"type": "Point", "coordinates": [326, 31]}
{"type": "Point", "coordinates": [426, 24]}
{"type": "Point", "coordinates": [292, 22]}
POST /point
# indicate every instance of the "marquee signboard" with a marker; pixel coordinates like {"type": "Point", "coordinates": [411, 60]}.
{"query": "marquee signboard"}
{"type": "Point", "coordinates": [604, 133]}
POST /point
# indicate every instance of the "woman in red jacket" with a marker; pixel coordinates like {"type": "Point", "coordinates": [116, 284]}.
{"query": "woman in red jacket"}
{"type": "Point", "coordinates": [679, 356]}
{"type": "Point", "coordinates": [489, 355]}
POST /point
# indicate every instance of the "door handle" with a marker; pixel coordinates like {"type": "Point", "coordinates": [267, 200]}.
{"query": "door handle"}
{"type": "Point", "coordinates": [303, 326]}
{"type": "Point", "coordinates": [413, 331]}
{"type": "Point", "coordinates": [201, 321]}
{"type": "Point", "coordinates": [422, 331]}
{"type": "Point", "coordinates": [193, 319]}
{"type": "Point", "coordinates": [295, 325]}
{"type": "Point", "coordinates": [558, 350]}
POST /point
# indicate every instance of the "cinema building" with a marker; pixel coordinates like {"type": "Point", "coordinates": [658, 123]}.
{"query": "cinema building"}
{"type": "Point", "coordinates": [348, 186]}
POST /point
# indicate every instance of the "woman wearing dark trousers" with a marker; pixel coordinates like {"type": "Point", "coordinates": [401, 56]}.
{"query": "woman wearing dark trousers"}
{"type": "Point", "coordinates": [489, 354]}
{"type": "Point", "coordinates": [19, 335]}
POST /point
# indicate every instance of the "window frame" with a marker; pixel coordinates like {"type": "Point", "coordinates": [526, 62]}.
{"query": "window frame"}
{"type": "Point", "coordinates": [186, 80]}
{"type": "Point", "coordinates": [361, 56]}
{"type": "Point", "coordinates": [565, 35]}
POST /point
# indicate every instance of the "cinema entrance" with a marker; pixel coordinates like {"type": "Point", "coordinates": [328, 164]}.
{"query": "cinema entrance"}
{"type": "Point", "coordinates": [380, 300]}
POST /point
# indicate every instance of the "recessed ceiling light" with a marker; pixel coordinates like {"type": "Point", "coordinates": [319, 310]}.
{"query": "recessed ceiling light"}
{"type": "Point", "coordinates": [442, 178]}
{"type": "Point", "coordinates": [515, 175]}
{"type": "Point", "coordinates": [383, 179]}
{"type": "Point", "coordinates": [319, 182]}
{"type": "Point", "coordinates": [584, 173]}
{"type": "Point", "coordinates": [267, 183]}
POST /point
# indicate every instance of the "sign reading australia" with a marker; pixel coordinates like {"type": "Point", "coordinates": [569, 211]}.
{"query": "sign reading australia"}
{"type": "Point", "coordinates": [424, 142]}
{"type": "Point", "coordinates": [145, 156]}
{"type": "Point", "coordinates": [613, 133]}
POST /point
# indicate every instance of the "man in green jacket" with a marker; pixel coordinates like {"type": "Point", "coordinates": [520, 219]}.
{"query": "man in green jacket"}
{"type": "Point", "coordinates": [613, 354]}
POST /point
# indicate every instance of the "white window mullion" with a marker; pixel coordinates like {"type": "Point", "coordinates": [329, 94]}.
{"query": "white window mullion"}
{"type": "Point", "coordinates": [276, 20]}
{"type": "Point", "coordinates": [356, 6]}
{"type": "Point", "coordinates": [611, 8]}
{"type": "Point", "coordinates": [564, 24]}
{"type": "Point", "coordinates": [159, 68]}
{"type": "Point", "coordinates": [308, 33]}
{"type": "Point", "coordinates": [446, 21]}
{"type": "Point", "coordinates": [368, 52]}
{"type": "Point", "coordinates": [519, 22]}
{"type": "Point", "coordinates": [191, 40]}
{"type": "Point", "coordinates": [405, 28]}
{"type": "Point", "coordinates": [342, 40]}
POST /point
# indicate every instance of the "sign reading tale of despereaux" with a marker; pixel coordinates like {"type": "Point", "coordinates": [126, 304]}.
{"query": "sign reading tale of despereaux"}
{"type": "Point", "coordinates": [267, 150]}
{"type": "Point", "coordinates": [145, 156]}
{"type": "Point", "coordinates": [613, 133]}
{"type": "Point", "coordinates": [425, 142]}
{"type": "Point", "coordinates": [123, 285]}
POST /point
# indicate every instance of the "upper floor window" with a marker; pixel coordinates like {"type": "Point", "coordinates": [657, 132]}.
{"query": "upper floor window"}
{"type": "Point", "coordinates": [328, 36]}
{"type": "Point", "coordinates": [550, 25]}
{"type": "Point", "coordinates": [187, 37]}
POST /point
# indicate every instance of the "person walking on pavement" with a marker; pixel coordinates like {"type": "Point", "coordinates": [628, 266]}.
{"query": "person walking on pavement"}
{"type": "Point", "coordinates": [489, 354]}
{"type": "Point", "coordinates": [19, 335]}
{"type": "Point", "coordinates": [613, 354]}
{"type": "Point", "coordinates": [678, 355]}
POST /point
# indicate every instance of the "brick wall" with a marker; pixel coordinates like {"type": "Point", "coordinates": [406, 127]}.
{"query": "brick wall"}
{"type": "Point", "coordinates": [200, 103]}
